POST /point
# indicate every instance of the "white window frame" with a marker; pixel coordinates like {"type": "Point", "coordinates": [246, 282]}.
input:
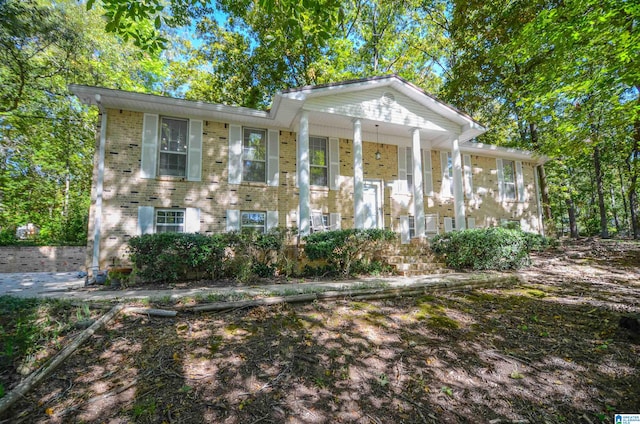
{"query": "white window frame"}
{"type": "Point", "coordinates": [255, 227]}
{"type": "Point", "coordinates": [313, 139]}
{"type": "Point", "coordinates": [165, 146]}
{"type": "Point", "coordinates": [246, 133]}
{"type": "Point", "coordinates": [164, 227]}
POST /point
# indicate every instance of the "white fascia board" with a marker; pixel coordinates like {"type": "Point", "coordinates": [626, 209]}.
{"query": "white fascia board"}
{"type": "Point", "coordinates": [118, 99]}
{"type": "Point", "coordinates": [502, 152]}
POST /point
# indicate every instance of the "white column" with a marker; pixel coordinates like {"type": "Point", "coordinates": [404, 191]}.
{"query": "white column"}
{"type": "Point", "coordinates": [458, 192]}
{"type": "Point", "coordinates": [97, 214]}
{"type": "Point", "coordinates": [418, 192]}
{"type": "Point", "coordinates": [303, 174]}
{"type": "Point", "coordinates": [358, 175]}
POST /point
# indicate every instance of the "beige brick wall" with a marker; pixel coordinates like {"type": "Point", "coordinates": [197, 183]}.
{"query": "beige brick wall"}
{"type": "Point", "coordinates": [42, 258]}
{"type": "Point", "coordinates": [124, 190]}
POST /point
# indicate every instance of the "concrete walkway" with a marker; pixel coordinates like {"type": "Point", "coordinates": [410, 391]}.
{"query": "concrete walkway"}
{"type": "Point", "coordinates": [70, 285]}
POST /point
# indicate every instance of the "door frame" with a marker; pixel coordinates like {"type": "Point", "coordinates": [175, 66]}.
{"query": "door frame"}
{"type": "Point", "coordinates": [379, 186]}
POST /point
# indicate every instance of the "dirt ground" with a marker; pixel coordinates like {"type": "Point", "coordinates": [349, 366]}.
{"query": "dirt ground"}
{"type": "Point", "coordinates": [549, 350]}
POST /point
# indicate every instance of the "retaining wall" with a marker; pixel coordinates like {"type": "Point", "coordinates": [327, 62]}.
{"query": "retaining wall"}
{"type": "Point", "coordinates": [42, 258]}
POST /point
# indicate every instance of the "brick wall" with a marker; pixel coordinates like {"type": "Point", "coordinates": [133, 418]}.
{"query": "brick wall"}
{"type": "Point", "coordinates": [42, 258]}
{"type": "Point", "coordinates": [125, 190]}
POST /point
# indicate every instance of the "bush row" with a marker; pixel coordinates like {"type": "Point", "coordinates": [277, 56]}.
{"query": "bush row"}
{"type": "Point", "coordinates": [488, 248]}
{"type": "Point", "coordinates": [170, 257]}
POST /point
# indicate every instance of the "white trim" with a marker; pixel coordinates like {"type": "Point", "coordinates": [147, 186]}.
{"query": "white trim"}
{"type": "Point", "coordinates": [335, 221]}
{"type": "Point", "coordinates": [334, 163]}
{"type": "Point", "coordinates": [404, 229]}
{"type": "Point", "coordinates": [149, 150]}
{"type": "Point", "coordinates": [521, 195]}
{"type": "Point", "coordinates": [427, 171]}
{"type": "Point", "coordinates": [431, 223]}
{"type": "Point", "coordinates": [448, 224]}
{"type": "Point", "coordinates": [418, 193]}
{"type": "Point", "coordinates": [358, 175]}
{"type": "Point", "coordinates": [192, 220]}
{"type": "Point", "coordinates": [458, 192]}
{"type": "Point", "coordinates": [500, 172]}
{"type": "Point", "coordinates": [304, 176]}
{"type": "Point", "coordinates": [272, 220]}
{"type": "Point", "coordinates": [146, 220]}
{"type": "Point", "coordinates": [402, 184]}
{"type": "Point", "coordinates": [97, 217]}
{"type": "Point", "coordinates": [235, 154]}
{"type": "Point", "coordinates": [233, 220]}
{"type": "Point", "coordinates": [468, 176]}
{"type": "Point", "coordinates": [194, 151]}
{"type": "Point", "coordinates": [446, 186]}
{"type": "Point", "coordinates": [273, 158]}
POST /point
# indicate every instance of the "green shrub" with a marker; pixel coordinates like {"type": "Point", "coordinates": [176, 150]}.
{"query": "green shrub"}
{"type": "Point", "coordinates": [346, 251]}
{"type": "Point", "coordinates": [485, 248]}
{"type": "Point", "coordinates": [169, 257]}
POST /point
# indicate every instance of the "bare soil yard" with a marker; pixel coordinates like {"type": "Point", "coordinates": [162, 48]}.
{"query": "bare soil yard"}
{"type": "Point", "coordinates": [549, 350]}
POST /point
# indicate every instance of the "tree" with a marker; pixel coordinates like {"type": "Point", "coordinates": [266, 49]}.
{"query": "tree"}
{"type": "Point", "coordinates": [47, 136]}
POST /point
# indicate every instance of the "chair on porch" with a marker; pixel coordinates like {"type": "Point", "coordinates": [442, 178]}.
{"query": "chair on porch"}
{"type": "Point", "coordinates": [318, 222]}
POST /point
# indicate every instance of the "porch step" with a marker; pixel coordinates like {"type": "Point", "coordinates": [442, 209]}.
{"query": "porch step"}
{"type": "Point", "coordinates": [414, 259]}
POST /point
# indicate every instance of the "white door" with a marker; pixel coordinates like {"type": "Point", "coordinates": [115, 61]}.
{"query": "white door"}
{"type": "Point", "coordinates": [372, 196]}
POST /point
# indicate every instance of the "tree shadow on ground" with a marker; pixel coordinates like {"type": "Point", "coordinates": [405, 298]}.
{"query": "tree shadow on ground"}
{"type": "Point", "coordinates": [451, 357]}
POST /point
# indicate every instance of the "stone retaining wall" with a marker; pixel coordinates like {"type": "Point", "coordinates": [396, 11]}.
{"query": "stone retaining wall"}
{"type": "Point", "coordinates": [42, 258]}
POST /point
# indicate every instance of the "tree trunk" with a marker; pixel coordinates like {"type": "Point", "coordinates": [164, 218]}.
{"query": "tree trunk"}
{"type": "Point", "coordinates": [604, 230]}
{"type": "Point", "coordinates": [624, 203]}
{"type": "Point", "coordinates": [614, 209]}
{"type": "Point", "coordinates": [573, 224]}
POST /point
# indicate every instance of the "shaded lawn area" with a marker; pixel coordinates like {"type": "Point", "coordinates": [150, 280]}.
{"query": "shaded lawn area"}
{"type": "Point", "coordinates": [549, 350]}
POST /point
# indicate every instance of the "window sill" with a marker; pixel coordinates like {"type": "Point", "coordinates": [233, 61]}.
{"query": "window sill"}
{"type": "Point", "coordinates": [253, 184]}
{"type": "Point", "coordinates": [170, 178]}
{"type": "Point", "coordinates": [319, 188]}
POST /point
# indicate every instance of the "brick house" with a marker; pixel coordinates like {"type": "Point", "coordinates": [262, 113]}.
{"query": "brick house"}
{"type": "Point", "coordinates": [369, 153]}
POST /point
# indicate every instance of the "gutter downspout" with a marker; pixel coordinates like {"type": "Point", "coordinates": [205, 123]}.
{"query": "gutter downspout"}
{"type": "Point", "coordinates": [97, 219]}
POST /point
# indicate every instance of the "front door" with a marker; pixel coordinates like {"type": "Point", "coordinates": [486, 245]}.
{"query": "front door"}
{"type": "Point", "coordinates": [372, 196]}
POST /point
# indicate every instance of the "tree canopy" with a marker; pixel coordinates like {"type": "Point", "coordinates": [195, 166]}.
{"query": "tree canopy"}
{"type": "Point", "coordinates": [560, 78]}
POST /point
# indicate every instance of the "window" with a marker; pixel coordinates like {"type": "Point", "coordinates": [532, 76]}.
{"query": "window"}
{"type": "Point", "coordinates": [173, 146]}
{"type": "Point", "coordinates": [409, 154]}
{"type": "Point", "coordinates": [254, 155]}
{"type": "Point", "coordinates": [255, 221]}
{"type": "Point", "coordinates": [169, 221]}
{"type": "Point", "coordinates": [318, 161]}
{"type": "Point", "coordinates": [509, 179]}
